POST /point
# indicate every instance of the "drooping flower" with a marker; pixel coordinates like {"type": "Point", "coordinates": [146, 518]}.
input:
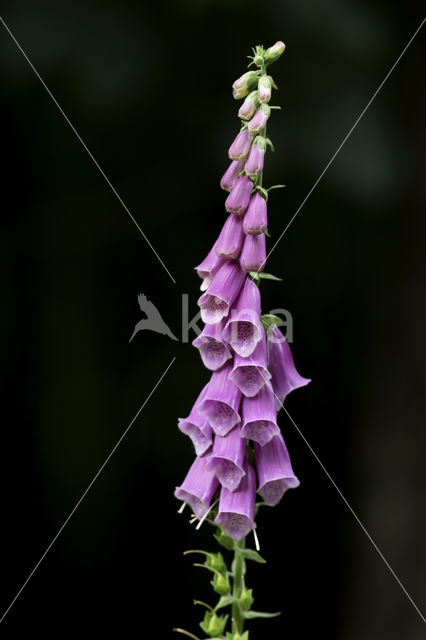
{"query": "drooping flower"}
{"type": "Point", "coordinates": [240, 148]}
{"type": "Point", "coordinates": [253, 253]}
{"type": "Point", "coordinates": [214, 351]}
{"type": "Point", "coordinates": [249, 106]}
{"type": "Point", "coordinates": [285, 378]}
{"type": "Point", "coordinates": [244, 84]}
{"type": "Point", "coordinates": [236, 508]}
{"type": "Point", "coordinates": [207, 267]}
{"type": "Point", "coordinates": [222, 291]}
{"type": "Point", "coordinates": [244, 329]}
{"type": "Point", "coordinates": [227, 458]}
{"type": "Point", "coordinates": [239, 198]}
{"type": "Point", "coordinates": [254, 164]}
{"type": "Point", "coordinates": [259, 120]}
{"type": "Point", "coordinates": [264, 89]}
{"type": "Point", "coordinates": [199, 486]}
{"type": "Point", "coordinates": [231, 237]}
{"type": "Point", "coordinates": [231, 175]}
{"type": "Point", "coordinates": [256, 219]}
{"type": "Point", "coordinates": [251, 373]}
{"type": "Point", "coordinates": [259, 416]}
{"type": "Point", "coordinates": [197, 427]}
{"type": "Point", "coordinates": [221, 403]}
{"type": "Point", "coordinates": [274, 470]}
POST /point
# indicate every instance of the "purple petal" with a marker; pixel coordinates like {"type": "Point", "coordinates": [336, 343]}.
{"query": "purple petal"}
{"type": "Point", "coordinates": [256, 218]}
{"type": "Point", "coordinates": [285, 378]}
{"type": "Point", "coordinates": [227, 458]}
{"type": "Point", "coordinates": [250, 374]}
{"type": "Point", "coordinates": [221, 293]}
{"type": "Point", "coordinates": [197, 427]}
{"type": "Point", "coordinates": [274, 470]}
{"type": "Point", "coordinates": [259, 416]}
{"type": "Point", "coordinates": [238, 199]}
{"type": "Point", "coordinates": [214, 351]}
{"type": "Point", "coordinates": [258, 122]}
{"type": "Point", "coordinates": [231, 237]}
{"type": "Point", "coordinates": [221, 402]}
{"type": "Point", "coordinates": [208, 267]}
{"type": "Point", "coordinates": [244, 328]}
{"type": "Point", "coordinates": [236, 508]}
{"type": "Point", "coordinates": [253, 254]}
{"type": "Point", "coordinates": [231, 175]}
{"type": "Point", "coordinates": [199, 487]}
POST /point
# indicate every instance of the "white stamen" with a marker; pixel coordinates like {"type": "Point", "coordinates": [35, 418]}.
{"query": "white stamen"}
{"type": "Point", "coordinates": [206, 514]}
{"type": "Point", "coordinates": [182, 507]}
{"type": "Point", "coordinates": [256, 540]}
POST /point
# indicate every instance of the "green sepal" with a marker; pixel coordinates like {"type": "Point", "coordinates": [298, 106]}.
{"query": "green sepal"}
{"type": "Point", "coordinates": [220, 583]}
{"type": "Point", "coordinates": [272, 82]}
{"type": "Point", "coordinates": [269, 321]}
{"type": "Point", "coordinates": [267, 234]}
{"type": "Point", "coordinates": [250, 615]}
{"type": "Point", "coordinates": [216, 561]}
{"type": "Point", "coordinates": [225, 601]}
{"type": "Point", "coordinates": [275, 106]}
{"type": "Point", "coordinates": [224, 540]}
{"type": "Point", "coordinates": [251, 554]}
{"type": "Point", "coordinates": [263, 192]}
{"type": "Point", "coordinates": [246, 599]}
{"type": "Point", "coordinates": [236, 636]}
{"type": "Point", "coordinates": [268, 141]}
{"type": "Point", "coordinates": [213, 625]}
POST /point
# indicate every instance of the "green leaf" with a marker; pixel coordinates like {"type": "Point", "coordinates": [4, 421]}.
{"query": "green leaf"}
{"type": "Point", "coordinates": [268, 276]}
{"type": "Point", "coordinates": [260, 614]}
{"type": "Point", "coordinates": [251, 554]}
{"type": "Point", "coordinates": [269, 321]}
{"type": "Point", "coordinates": [224, 601]}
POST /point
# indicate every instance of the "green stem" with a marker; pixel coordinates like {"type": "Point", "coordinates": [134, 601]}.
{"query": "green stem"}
{"type": "Point", "coordinates": [237, 573]}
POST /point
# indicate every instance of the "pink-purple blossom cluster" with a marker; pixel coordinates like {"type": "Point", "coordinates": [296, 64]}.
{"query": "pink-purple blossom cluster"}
{"type": "Point", "coordinates": [233, 423]}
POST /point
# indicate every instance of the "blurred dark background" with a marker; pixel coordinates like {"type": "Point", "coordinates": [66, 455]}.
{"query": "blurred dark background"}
{"type": "Point", "coordinates": [147, 86]}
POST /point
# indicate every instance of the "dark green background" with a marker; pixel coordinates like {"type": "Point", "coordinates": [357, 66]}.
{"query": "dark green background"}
{"type": "Point", "coordinates": [147, 86]}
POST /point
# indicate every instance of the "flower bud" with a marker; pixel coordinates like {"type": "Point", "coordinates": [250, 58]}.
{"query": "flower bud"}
{"type": "Point", "coordinates": [254, 164]}
{"type": "Point", "coordinates": [256, 219]}
{"type": "Point", "coordinates": [264, 89]}
{"type": "Point", "coordinates": [238, 200]}
{"type": "Point", "coordinates": [259, 120]}
{"type": "Point", "coordinates": [253, 254]}
{"type": "Point", "coordinates": [273, 53]}
{"type": "Point", "coordinates": [246, 598]}
{"type": "Point", "coordinates": [249, 106]}
{"type": "Point", "coordinates": [213, 625]}
{"type": "Point", "coordinates": [231, 175]}
{"type": "Point", "coordinates": [221, 584]}
{"type": "Point", "coordinates": [240, 148]}
{"type": "Point", "coordinates": [244, 84]}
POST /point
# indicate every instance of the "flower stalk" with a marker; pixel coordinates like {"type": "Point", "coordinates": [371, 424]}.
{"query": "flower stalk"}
{"type": "Point", "coordinates": [239, 448]}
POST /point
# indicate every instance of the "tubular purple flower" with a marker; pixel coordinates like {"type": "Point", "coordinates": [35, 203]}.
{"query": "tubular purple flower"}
{"type": "Point", "coordinates": [254, 165]}
{"type": "Point", "coordinates": [249, 106]}
{"type": "Point", "coordinates": [253, 253]}
{"type": "Point", "coordinates": [259, 120]}
{"type": "Point", "coordinates": [231, 238]}
{"type": "Point", "coordinates": [227, 458]}
{"type": "Point", "coordinates": [238, 199]}
{"type": "Point", "coordinates": [214, 351]}
{"type": "Point", "coordinates": [244, 329]}
{"type": "Point", "coordinates": [274, 470]}
{"type": "Point", "coordinates": [250, 374]}
{"type": "Point", "coordinates": [199, 487]}
{"type": "Point", "coordinates": [236, 508]}
{"type": "Point", "coordinates": [285, 378]}
{"type": "Point", "coordinates": [197, 427]}
{"type": "Point", "coordinates": [208, 267]}
{"type": "Point", "coordinates": [240, 148]}
{"type": "Point", "coordinates": [221, 402]}
{"type": "Point", "coordinates": [259, 416]}
{"type": "Point", "coordinates": [256, 218]}
{"type": "Point", "coordinates": [222, 291]}
{"type": "Point", "coordinates": [264, 89]}
{"type": "Point", "coordinates": [231, 175]}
